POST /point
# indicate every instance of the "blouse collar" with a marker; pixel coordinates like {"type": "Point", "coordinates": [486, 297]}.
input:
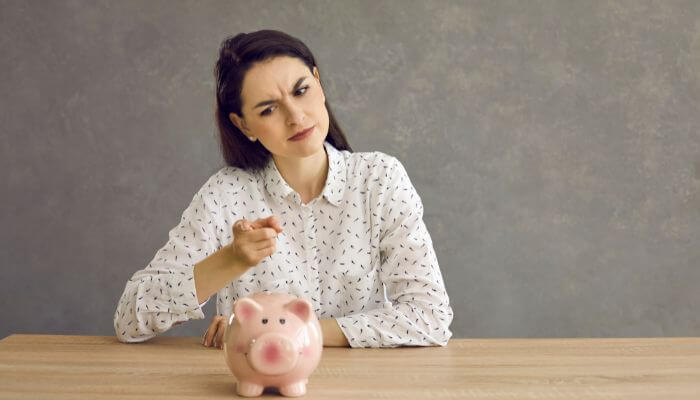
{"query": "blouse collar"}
{"type": "Point", "coordinates": [333, 189]}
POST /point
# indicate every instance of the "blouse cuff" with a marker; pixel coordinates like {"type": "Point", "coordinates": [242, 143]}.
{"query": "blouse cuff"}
{"type": "Point", "coordinates": [351, 329]}
{"type": "Point", "coordinates": [184, 296]}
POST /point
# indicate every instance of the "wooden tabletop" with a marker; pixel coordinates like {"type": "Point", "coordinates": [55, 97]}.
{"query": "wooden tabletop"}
{"type": "Point", "coordinates": [99, 367]}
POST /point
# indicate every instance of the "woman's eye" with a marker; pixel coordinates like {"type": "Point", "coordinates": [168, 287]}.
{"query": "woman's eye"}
{"type": "Point", "coordinates": [267, 111]}
{"type": "Point", "coordinates": [264, 321]}
{"type": "Point", "coordinates": [304, 89]}
{"type": "Point", "coordinates": [282, 321]}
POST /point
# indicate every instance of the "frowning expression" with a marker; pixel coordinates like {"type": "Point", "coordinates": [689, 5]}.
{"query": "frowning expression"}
{"type": "Point", "coordinates": [280, 98]}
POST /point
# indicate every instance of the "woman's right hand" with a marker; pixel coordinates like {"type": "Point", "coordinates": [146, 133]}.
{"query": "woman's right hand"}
{"type": "Point", "coordinates": [253, 241]}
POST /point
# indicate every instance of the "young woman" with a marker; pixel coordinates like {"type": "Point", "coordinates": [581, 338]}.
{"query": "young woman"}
{"type": "Point", "coordinates": [294, 210]}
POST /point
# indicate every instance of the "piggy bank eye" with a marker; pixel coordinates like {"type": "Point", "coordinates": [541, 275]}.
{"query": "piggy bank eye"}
{"type": "Point", "coordinates": [282, 321]}
{"type": "Point", "coordinates": [264, 321]}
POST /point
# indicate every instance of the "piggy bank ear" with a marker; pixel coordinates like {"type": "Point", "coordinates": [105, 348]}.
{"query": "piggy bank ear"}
{"type": "Point", "coordinates": [301, 308]}
{"type": "Point", "coordinates": [246, 309]}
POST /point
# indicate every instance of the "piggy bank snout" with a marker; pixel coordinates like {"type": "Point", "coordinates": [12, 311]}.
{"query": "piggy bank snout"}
{"type": "Point", "coordinates": [273, 354]}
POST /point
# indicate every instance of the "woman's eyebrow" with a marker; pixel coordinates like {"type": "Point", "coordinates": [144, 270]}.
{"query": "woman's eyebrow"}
{"type": "Point", "coordinates": [266, 102]}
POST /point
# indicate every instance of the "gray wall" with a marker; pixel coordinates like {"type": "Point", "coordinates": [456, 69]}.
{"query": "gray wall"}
{"type": "Point", "coordinates": [555, 145]}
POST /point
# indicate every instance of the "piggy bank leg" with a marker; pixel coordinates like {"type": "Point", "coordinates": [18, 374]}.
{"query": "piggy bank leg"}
{"type": "Point", "coordinates": [249, 389]}
{"type": "Point", "coordinates": [295, 389]}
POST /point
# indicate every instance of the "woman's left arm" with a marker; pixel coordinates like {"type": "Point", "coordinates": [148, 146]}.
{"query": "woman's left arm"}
{"type": "Point", "coordinates": [420, 312]}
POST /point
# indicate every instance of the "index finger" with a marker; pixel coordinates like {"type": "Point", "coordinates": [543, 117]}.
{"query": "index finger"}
{"type": "Point", "coordinates": [271, 222]}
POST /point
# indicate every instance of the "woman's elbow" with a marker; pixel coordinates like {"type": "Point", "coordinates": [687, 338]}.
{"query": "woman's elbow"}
{"type": "Point", "coordinates": [440, 333]}
{"type": "Point", "coordinates": [126, 334]}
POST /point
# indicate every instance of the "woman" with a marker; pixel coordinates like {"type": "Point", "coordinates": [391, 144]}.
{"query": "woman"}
{"type": "Point", "coordinates": [294, 211]}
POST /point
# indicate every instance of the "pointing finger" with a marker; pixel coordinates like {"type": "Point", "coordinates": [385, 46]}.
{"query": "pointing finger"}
{"type": "Point", "coordinates": [275, 223]}
{"type": "Point", "coordinates": [269, 222]}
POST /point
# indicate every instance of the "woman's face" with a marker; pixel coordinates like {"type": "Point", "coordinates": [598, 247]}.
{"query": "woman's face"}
{"type": "Point", "coordinates": [281, 97]}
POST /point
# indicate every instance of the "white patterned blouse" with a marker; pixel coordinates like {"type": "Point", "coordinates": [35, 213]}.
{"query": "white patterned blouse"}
{"type": "Point", "coordinates": [359, 252]}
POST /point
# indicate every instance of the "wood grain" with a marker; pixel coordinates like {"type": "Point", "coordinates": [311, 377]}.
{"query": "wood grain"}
{"type": "Point", "coordinates": [97, 367]}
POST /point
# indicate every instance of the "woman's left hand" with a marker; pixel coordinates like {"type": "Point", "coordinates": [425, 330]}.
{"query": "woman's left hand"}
{"type": "Point", "coordinates": [214, 336]}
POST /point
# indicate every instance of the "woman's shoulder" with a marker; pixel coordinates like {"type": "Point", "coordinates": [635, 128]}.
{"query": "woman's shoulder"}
{"type": "Point", "coordinates": [234, 175]}
{"type": "Point", "coordinates": [374, 170]}
{"type": "Point", "coordinates": [369, 162]}
{"type": "Point", "coordinates": [228, 179]}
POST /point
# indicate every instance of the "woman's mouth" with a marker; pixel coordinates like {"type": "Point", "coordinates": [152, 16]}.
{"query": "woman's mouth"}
{"type": "Point", "coordinates": [303, 134]}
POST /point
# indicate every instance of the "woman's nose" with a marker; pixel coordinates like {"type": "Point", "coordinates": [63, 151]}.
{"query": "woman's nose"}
{"type": "Point", "coordinates": [295, 115]}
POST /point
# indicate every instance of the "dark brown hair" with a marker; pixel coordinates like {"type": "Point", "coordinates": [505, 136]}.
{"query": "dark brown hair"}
{"type": "Point", "coordinates": [236, 56]}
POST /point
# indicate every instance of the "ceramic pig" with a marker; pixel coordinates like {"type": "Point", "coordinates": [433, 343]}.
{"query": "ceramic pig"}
{"type": "Point", "coordinates": [272, 340]}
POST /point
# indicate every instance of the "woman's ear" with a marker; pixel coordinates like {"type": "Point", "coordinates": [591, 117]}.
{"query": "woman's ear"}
{"type": "Point", "coordinates": [238, 122]}
{"type": "Point", "coordinates": [318, 79]}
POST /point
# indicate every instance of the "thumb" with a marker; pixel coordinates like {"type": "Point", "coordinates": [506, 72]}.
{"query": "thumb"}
{"type": "Point", "coordinates": [242, 225]}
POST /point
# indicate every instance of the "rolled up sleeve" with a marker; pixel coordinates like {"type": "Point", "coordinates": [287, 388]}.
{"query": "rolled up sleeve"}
{"type": "Point", "coordinates": [163, 293]}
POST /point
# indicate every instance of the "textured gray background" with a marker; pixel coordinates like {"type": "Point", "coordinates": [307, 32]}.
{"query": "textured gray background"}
{"type": "Point", "coordinates": [555, 145]}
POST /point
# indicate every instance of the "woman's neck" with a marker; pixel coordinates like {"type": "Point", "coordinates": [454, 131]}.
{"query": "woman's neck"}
{"type": "Point", "coordinates": [306, 176]}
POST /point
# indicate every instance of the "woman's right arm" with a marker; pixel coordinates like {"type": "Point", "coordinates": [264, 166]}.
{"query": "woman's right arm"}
{"type": "Point", "coordinates": [215, 271]}
{"type": "Point", "coordinates": [191, 267]}
{"type": "Point", "coordinates": [164, 294]}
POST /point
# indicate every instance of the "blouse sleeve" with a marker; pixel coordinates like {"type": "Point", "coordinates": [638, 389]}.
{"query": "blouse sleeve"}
{"type": "Point", "coordinates": [419, 313]}
{"type": "Point", "coordinates": [163, 293]}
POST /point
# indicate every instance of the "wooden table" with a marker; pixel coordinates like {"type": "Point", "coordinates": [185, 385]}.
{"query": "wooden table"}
{"type": "Point", "coordinates": [99, 367]}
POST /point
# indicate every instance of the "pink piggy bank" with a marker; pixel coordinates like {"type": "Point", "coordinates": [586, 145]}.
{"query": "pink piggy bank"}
{"type": "Point", "coordinates": [272, 340]}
